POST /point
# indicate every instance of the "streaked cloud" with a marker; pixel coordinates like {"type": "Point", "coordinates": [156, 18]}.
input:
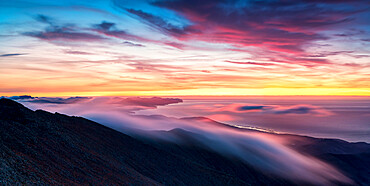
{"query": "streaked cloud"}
{"type": "Point", "coordinates": [49, 100]}
{"type": "Point", "coordinates": [12, 54]}
{"type": "Point", "coordinates": [273, 109]}
{"type": "Point", "coordinates": [55, 32]}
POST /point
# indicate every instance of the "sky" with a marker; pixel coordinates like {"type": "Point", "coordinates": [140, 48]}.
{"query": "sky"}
{"type": "Point", "coordinates": [184, 47]}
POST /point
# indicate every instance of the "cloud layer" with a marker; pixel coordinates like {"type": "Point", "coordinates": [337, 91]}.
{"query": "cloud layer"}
{"type": "Point", "coordinates": [283, 26]}
{"type": "Point", "coordinates": [264, 151]}
{"type": "Point", "coordinates": [273, 109]}
{"type": "Point", "coordinates": [152, 102]}
{"type": "Point", "coordinates": [50, 100]}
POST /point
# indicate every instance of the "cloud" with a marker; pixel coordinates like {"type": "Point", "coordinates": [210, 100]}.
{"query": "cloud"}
{"type": "Point", "coordinates": [148, 66]}
{"type": "Point", "coordinates": [105, 25]}
{"type": "Point", "coordinates": [44, 19]}
{"type": "Point", "coordinates": [250, 63]}
{"type": "Point", "coordinates": [273, 109]}
{"type": "Point", "coordinates": [176, 45]}
{"type": "Point", "coordinates": [70, 32]}
{"type": "Point", "coordinates": [76, 52]}
{"type": "Point", "coordinates": [69, 100]}
{"type": "Point", "coordinates": [12, 54]}
{"type": "Point", "coordinates": [123, 105]}
{"type": "Point", "coordinates": [49, 100]}
{"type": "Point", "coordinates": [128, 43]}
{"type": "Point", "coordinates": [146, 102]}
{"type": "Point", "coordinates": [109, 29]}
{"type": "Point", "coordinates": [297, 109]}
{"type": "Point", "coordinates": [63, 34]}
{"type": "Point", "coordinates": [56, 32]}
{"type": "Point", "coordinates": [21, 97]}
{"type": "Point", "coordinates": [221, 117]}
{"type": "Point", "coordinates": [160, 24]}
{"type": "Point", "coordinates": [281, 26]}
{"type": "Point", "coordinates": [300, 109]}
{"type": "Point", "coordinates": [253, 107]}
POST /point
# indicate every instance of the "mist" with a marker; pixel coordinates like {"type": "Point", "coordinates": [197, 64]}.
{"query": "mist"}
{"type": "Point", "coordinates": [266, 152]}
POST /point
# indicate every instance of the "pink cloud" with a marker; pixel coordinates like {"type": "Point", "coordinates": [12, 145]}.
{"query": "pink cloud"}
{"type": "Point", "coordinates": [272, 109]}
{"type": "Point", "coordinates": [221, 117]}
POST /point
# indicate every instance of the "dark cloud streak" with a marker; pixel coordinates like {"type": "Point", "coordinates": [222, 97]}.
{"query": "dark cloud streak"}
{"type": "Point", "coordinates": [55, 32]}
{"type": "Point", "coordinates": [49, 100]}
{"type": "Point", "coordinates": [147, 102]}
{"type": "Point", "coordinates": [274, 109]}
{"type": "Point", "coordinates": [283, 26]}
{"type": "Point", "coordinates": [161, 24]}
{"type": "Point", "coordinates": [12, 54]}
